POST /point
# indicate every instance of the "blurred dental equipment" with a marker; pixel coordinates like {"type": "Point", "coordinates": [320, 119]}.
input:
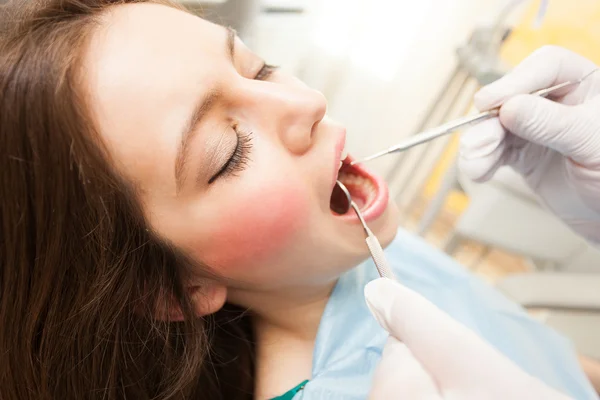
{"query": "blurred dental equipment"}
{"type": "Point", "coordinates": [342, 204]}
{"type": "Point", "coordinates": [453, 126]}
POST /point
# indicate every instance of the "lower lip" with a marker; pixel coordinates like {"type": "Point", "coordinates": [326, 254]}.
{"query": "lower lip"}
{"type": "Point", "coordinates": [377, 206]}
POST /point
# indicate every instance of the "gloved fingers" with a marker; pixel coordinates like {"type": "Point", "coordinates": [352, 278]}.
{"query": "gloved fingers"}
{"type": "Point", "coordinates": [449, 351]}
{"type": "Point", "coordinates": [545, 67]}
{"type": "Point", "coordinates": [481, 150]}
{"type": "Point", "coordinates": [566, 129]}
{"type": "Point", "coordinates": [400, 376]}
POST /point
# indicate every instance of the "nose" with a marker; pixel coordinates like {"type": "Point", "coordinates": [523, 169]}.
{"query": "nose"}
{"type": "Point", "coordinates": [291, 112]}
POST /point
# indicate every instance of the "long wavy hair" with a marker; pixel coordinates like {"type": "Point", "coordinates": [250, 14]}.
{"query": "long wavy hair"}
{"type": "Point", "coordinates": [81, 271]}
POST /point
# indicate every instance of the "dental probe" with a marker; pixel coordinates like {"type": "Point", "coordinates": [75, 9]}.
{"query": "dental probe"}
{"type": "Point", "coordinates": [373, 244]}
{"type": "Point", "coordinates": [453, 126]}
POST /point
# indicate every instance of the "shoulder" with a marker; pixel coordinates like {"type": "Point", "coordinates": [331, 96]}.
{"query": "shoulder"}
{"type": "Point", "coordinates": [478, 305]}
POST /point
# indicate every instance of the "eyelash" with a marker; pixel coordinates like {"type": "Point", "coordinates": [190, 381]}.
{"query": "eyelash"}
{"type": "Point", "coordinates": [238, 160]}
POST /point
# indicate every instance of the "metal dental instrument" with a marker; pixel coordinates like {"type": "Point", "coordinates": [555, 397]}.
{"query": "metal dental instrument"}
{"type": "Point", "coordinates": [453, 126]}
{"type": "Point", "coordinates": [341, 193]}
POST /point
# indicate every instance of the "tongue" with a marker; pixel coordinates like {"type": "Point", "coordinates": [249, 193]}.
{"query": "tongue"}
{"type": "Point", "coordinates": [359, 202]}
{"type": "Point", "coordinates": [357, 195]}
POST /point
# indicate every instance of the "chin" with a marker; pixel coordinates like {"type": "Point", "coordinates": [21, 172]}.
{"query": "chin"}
{"type": "Point", "coordinates": [386, 227]}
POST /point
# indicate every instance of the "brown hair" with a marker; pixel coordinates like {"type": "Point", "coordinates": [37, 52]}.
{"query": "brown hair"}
{"type": "Point", "coordinates": [81, 272]}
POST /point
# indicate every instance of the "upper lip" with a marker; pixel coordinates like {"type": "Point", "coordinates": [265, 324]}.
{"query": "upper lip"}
{"type": "Point", "coordinates": [339, 148]}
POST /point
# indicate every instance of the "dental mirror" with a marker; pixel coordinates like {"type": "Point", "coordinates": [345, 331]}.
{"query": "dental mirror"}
{"type": "Point", "coordinates": [341, 201]}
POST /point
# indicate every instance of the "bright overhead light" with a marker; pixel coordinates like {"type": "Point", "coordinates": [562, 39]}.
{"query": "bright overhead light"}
{"type": "Point", "coordinates": [375, 35]}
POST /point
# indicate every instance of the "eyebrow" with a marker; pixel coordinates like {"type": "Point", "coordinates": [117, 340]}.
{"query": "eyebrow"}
{"type": "Point", "coordinates": [200, 110]}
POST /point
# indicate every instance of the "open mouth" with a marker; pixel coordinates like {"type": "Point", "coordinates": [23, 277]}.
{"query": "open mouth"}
{"type": "Point", "coordinates": [368, 191]}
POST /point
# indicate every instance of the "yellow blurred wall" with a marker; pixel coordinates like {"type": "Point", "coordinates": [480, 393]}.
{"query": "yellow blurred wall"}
{"type": "Point", "coordinates": [574, 24]}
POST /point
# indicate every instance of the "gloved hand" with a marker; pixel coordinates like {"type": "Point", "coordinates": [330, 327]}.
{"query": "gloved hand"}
{"type": "Point", "coordinates": [555, 145]}
{"type": "Point", "coordinates": [431, 356]}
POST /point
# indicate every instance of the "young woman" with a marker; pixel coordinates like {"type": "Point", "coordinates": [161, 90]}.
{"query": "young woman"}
{"type": "Point", "coordinates": [166, 223]}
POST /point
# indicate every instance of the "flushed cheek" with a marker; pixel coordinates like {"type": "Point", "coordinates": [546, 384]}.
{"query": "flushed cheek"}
{"type": "Point", "coordinates": [260, 226]}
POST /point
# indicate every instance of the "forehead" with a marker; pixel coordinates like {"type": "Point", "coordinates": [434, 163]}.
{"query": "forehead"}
{"type": "Point", "coordinates": [145, 68]}
{"type": "Point", "coordinates": [132, 23]}
{"type": "Point", "coordinates": [152, 41]}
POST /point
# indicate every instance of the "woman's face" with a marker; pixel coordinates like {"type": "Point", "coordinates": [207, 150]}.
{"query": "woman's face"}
{"type": "Point", "coordinates": [235, 163]}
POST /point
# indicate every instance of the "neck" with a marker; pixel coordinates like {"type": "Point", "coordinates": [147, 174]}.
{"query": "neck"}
{"type": "Point", "coordinates": [298, 316]}
{"type": "Point", "coordinates": [285, 325]}
{"type": "Point", "coordinates": [296, 312]}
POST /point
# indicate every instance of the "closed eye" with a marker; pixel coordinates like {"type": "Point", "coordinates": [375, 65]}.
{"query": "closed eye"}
{"type": "Point", "coordinates": [239, 158]}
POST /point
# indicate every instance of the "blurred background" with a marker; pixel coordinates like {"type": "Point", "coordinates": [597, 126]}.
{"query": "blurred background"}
{"type": "Point", "coordinates": [391, 68]}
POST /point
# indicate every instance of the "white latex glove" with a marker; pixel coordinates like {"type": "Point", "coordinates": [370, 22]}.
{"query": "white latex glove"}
{"type": "Point", "coordinates": [555, 145]}
{"type": "Point", "coordinates": [431, 356]}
